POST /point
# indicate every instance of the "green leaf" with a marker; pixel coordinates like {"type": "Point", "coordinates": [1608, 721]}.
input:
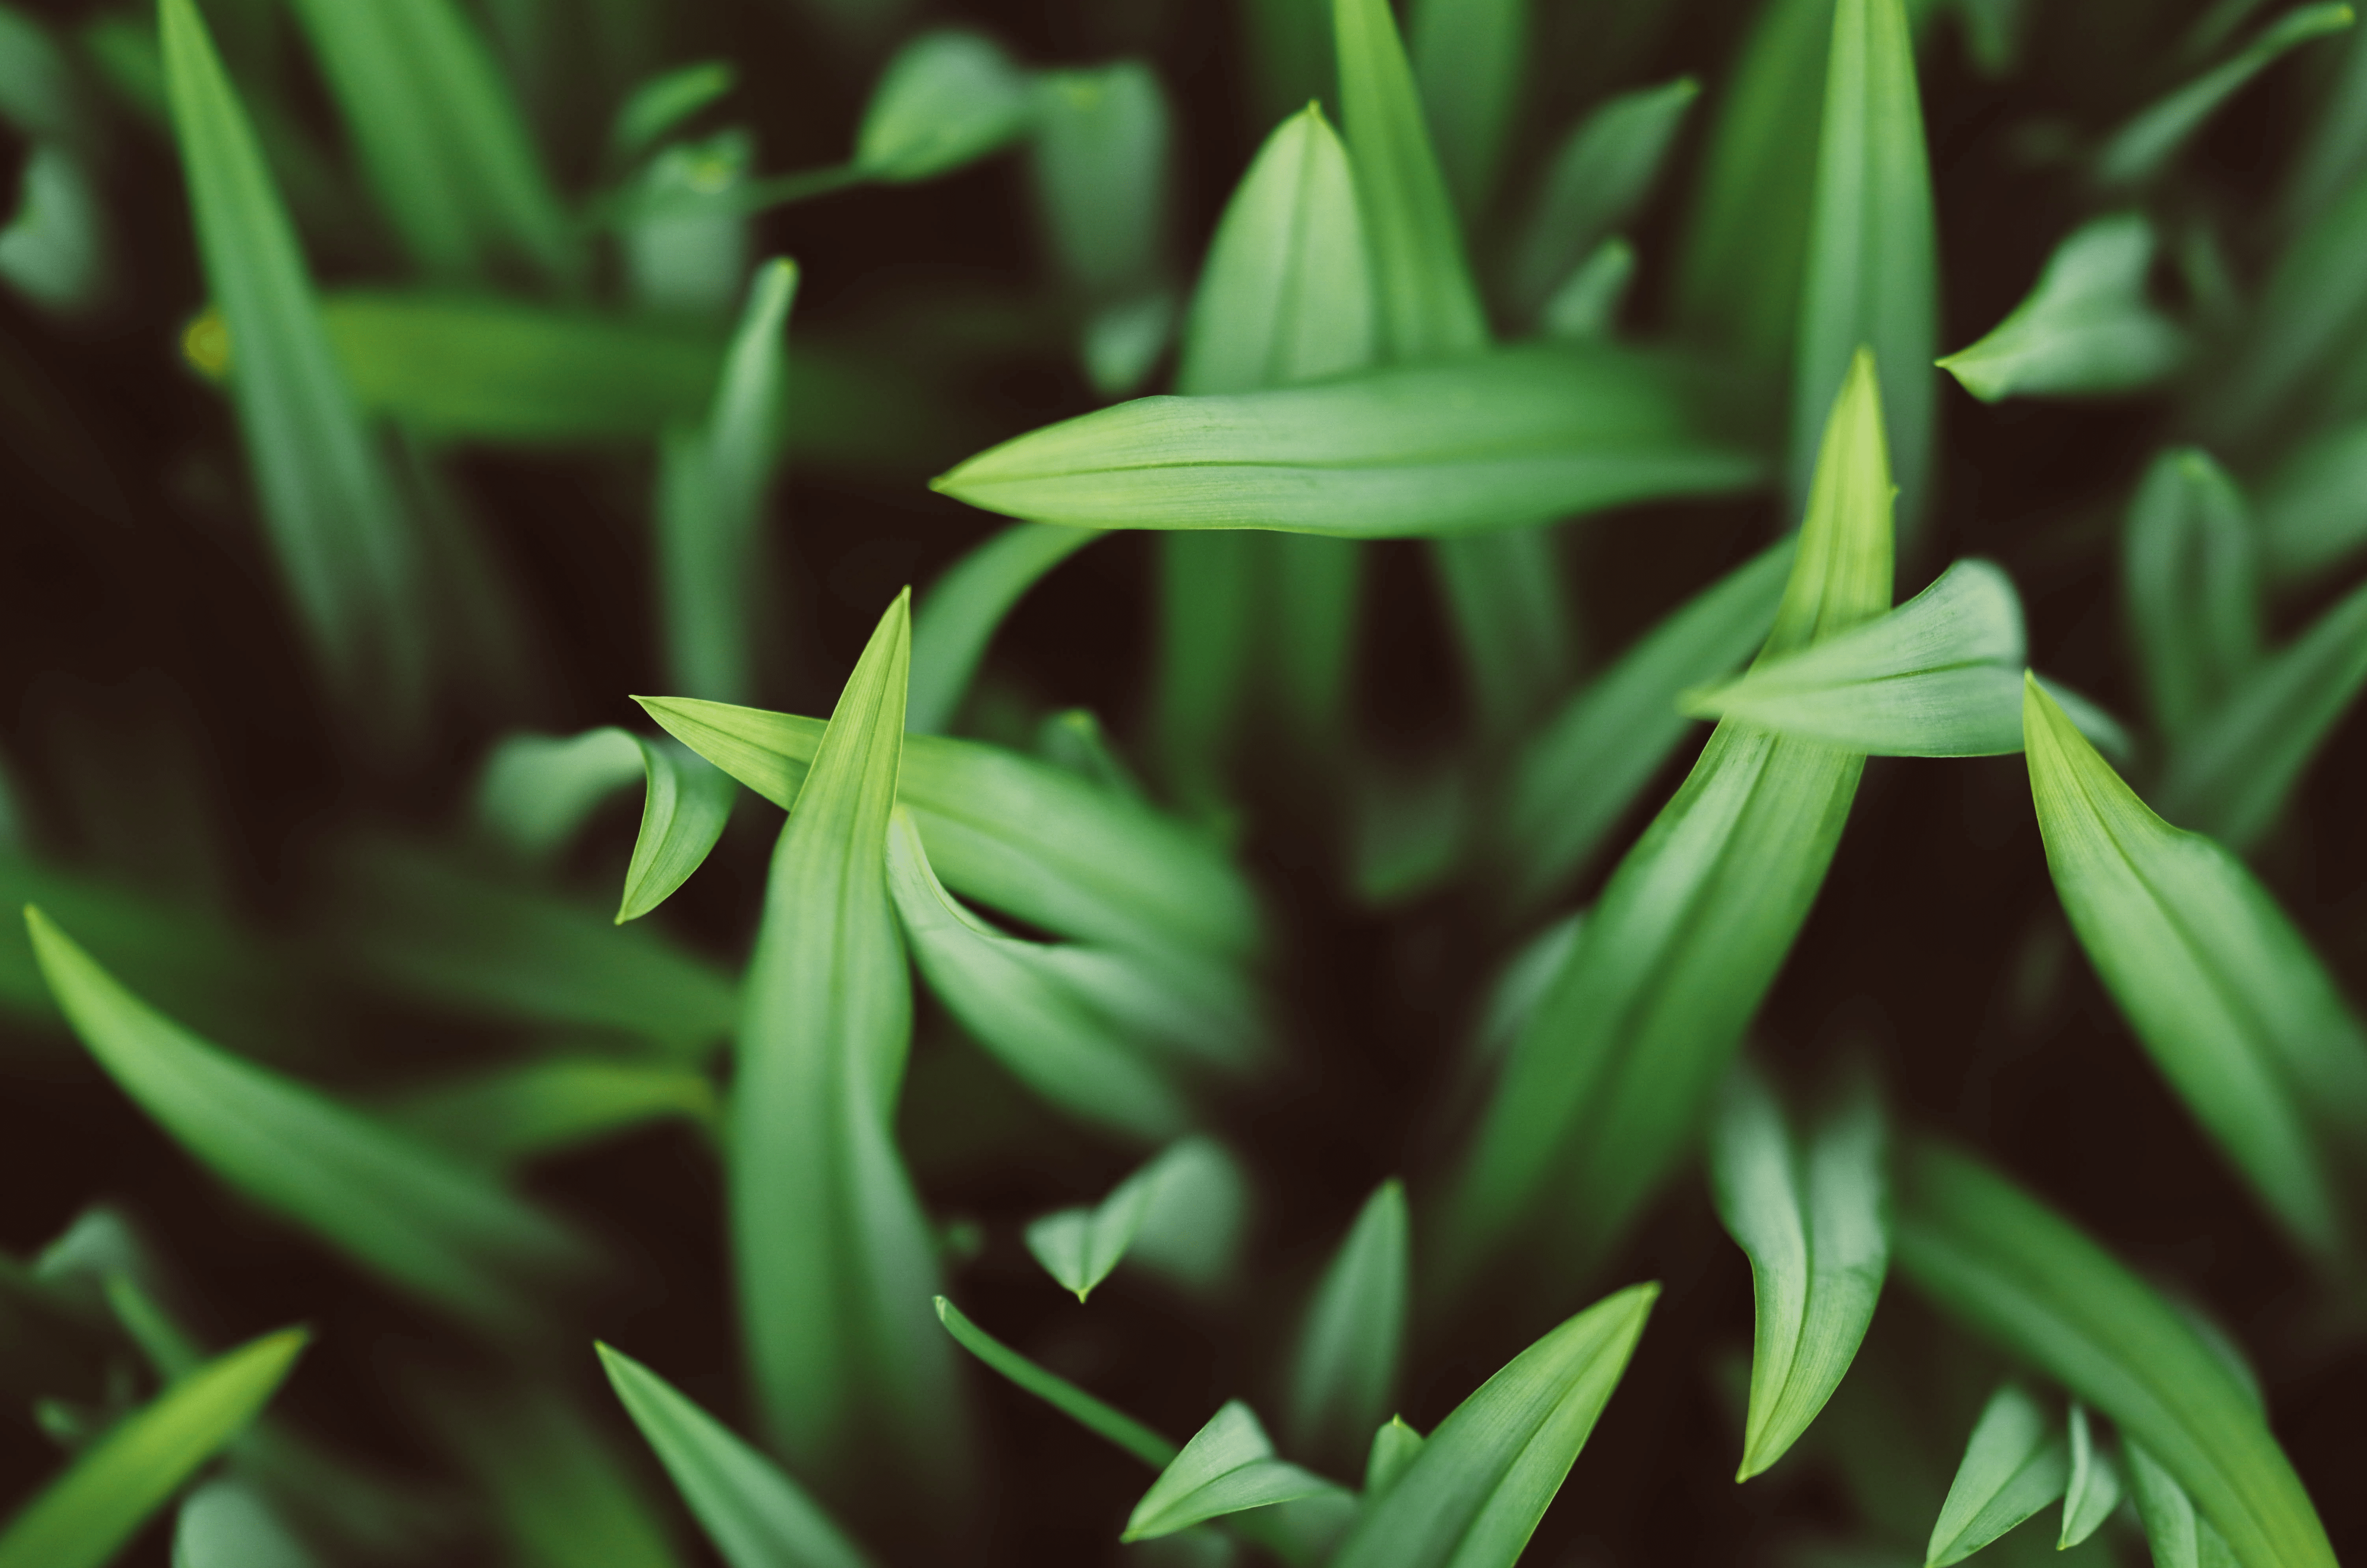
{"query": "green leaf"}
{"type": "Point", "coordinates": [2094, 1490]}
{"type": "Point", "coordinates": [1058, 1393]}
{"type": "Point", "coordinates": [2012, 1467]}
{"type": "Point", "coordinates": [535, 792]}
{"type": "Point", "coordinates": [2180, 1538]}
{"type": "Point", "coordinates": [1600, 176]}
{"type": "Point", "coordinates": [441, 137]}
{"type": "Point", "coordinates": [2138, 152]}
{"type": "Point", "coordinates": [1198, 1216]}
{"type": "Point", "coordinates": [1228, 1467]}
{"type": "Point", "coordinates": [1614, 1070]}
{"type": "Point", "coordinates": [225, 1525]}
{"type": "Point", "coordinates": [834, 1254]}
{"type": "Point", "coordinates": [1521, 435]}
{"type": "Point", "coordinates": [755, 1515]}
{"type": "Point", "coordinates": [1476, 1490]}
{"type": "Point", "coordinates": [86, 1515]}
{"type": "Point", "coordinates": [664, 102]}
{"type": "Point", "coordinates": [1812, 1219]}
{"type": "Point", "coordinates": [1080, 1246]}
{"type": "Point", "coordinates": [2308, 513]}
{"type": "Point", "coordinates": [2236, 1010]}
{"type": "Point", "coordinates": [499, 1115]}
{"type": "Point", "coordinates": [2085, 329]}
{"type": "Point", "coordinates": [2192, 586]}
{"type": "Point", "coordinates": [1343, 1366]}
{"type": "Point", "coordinates": [55, 249]}
{"type": "Point", "coordinates": [686, 803]}
{"type": "Point", "coordinates": [1467, 60]}
{"type": "Point", "coordinates": [949, 98]}
{"type": "Point", "coordinates": [1103, 168]}
{"type": "Point", "coordinates": [1994, 1256]}
{"type": "Point", "coordinates": [1577, 774]}
{"type": "Point", "coordinates": [399, 1207]}
{"type": "Point", "coordinates": [340, 540]}
{"type": "Point", "coordinates": [1872, 277]}
{"type": "Point", "coordinates": [1395, 1446]}
{"type": "Point", "coordinates": [1941, 675]}
{"type": "Point", "coordinates": [1586, 306]}
{"type": "Point", "coordinates": [2234, 772]}
{"type": "Point", "coordinates": [961, 613]}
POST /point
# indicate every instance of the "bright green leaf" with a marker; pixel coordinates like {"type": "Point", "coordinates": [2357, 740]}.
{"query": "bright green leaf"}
{"type": "Point", "coordinates": [686, 803]}
{"type": "Point", "coordinates": [2094, 1488]}
{"type": "Point", "coordinates": [1343, 1367]}
{"type": "Point", "coordinates": [755, 1515]}
{"type": "Point", "coordinates": [958, 616]}
{"type": "Point", "coordinates": [1228, 1467]}
{"type": "Point", "coordinates": [504, 1114]}
{"type": "Point", "coordinates": [2085, 329]}
{"type": "Point", "coordinates": [2012, 1467]}
{"type": "Point", "coordinates": [536, 791]}
{"type": "Point", "coordinates": [2142, 149]}
{"type": "Point", "coordinates": [1599, 177]}
{"type": "Point", "coordinates": [1080, 1246]}
{"type": "Point", "coordinates": [2191, 587]}
{"type": "Point", "coordinates": [948, 98]}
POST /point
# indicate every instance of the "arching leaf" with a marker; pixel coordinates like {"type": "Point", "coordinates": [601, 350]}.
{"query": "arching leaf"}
{"type": "Point", "coordinates": [2085, 329]}
{"type": "Point", "coordinates": [2014, 1466]}
{"type": "Point", "coordinates": [1228, 1467]}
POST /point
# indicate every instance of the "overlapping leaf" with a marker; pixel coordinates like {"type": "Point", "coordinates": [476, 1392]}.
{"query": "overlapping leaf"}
{"type": "Point", "coordinates": [1599, 177]}
{"type": "Point", "coordinates": [1228, 1467]}
{"type": "Point", "coordinates": [2085, 329]}
{"type": "Point", "coordinates": [2179, 1537]}
{"type": "Point", "coordinates": [2014, 1466]}
{"type": "Point", "coordinates": [2094, 1488]}
{"type": "Point", "coordinates": [685, 804]}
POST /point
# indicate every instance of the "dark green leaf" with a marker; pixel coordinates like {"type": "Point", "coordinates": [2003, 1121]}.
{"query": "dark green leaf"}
{"type": "Point", "coordinates": [2085, 329]}
{"type": "Point", "coordinates": [2012, 1467]}
{"type": "Point", "coordinates": [2193, 589]}
{"type": "Point", "coordinates": [1600, 176]}
{"type": "Point", "coordinates": [1344, 1369]}
{"type": "Point", "coordinates": [958, 616]}
{"type": "Point", "coordinates": [504, 1114]}
{"type": "Point", "coordinates": [1468, 59]}
{"type": "Point", "coordinates": [2094, 1488]}
{"type": "Point", "coordinates": [1102, 173]}
{"type": "Point", "coordinates": [536, 791]}
{"type": "Point", "coordinates": [2140, 150]}
{"type": "Point", "coordinates": [948, 98]}
{"type": "Point", "coordinates": [2308, 513]}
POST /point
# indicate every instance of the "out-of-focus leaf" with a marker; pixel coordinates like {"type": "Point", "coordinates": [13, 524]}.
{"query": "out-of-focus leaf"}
{"type": "Point", "coordinates": [441, 137]}
{"type": "Point", "coordinates": [423, 925]}
{"type": "Point", "coordinates": [1580, 772]}
{"type": "Point", "coordinates": [536, 791]}
{"type": "Point", "coordinates": [1198, 1218]}
{"type": "Point", "coordinates": [1811, 1216]}
{"type": "Point", "coordinates": [225, 1525]}
{"type": "Point", "coordinates": [2142, 149]}
{"type": "Point", "coordinates": [1074, 739]}
{"type": "Point", "coordinates": [1599, 177]}
{"type": "Point", "coordinates": [1033, 840]}
{"type": "Point", "coordinates": [399, 1207]}
{"type": "Point", "coordinates": [1475, 1492]}
{"type": "Point", "coordinates": [686, 803]}
{"type": "Point", "coordinates": [1871, 276]}
{"type": "Point", "coordinates": [2085, 329]}
{"type": "Point", "coordinates": [2236, 1010]}
{"type": "Point", "coordinates": [1619, 1063]}
{"type": "Point", "coordinates": [1102, 163]}
{"type": "Point", "coordinates": [1228, 1467]}
{"type": "Point", "coordinates": [1941, 675]}
{"type": "Point", "coordinates": [959, 613]}
{"type": "Point", "coordinates": [2308, 509]}
{"type": "Point", "coordinates": [755, 1515]}
{"type": "Point", "coordinates": [1211, 621]}
{"type": "Point", "coordinates": [49, 1345]}
{"type": "Point", "coordinates": [1343, 1367]}
{"type": "Point", "coordinates": [54, 249]}
{"type": "Point", "coordinates": [1993, 1255]}
{"type": "Point", "coordinates": [341, 542]}
{"type": "Point", "coordinates": [1469, 59]}
{"type": "Point", "coordinates": [2094, 1488]}
{"type": "Point", "coordinates": [834, 1259]}
{"type": "Point", "coordinates": [948, 98]}
{"type": "Point", "coordinates": [2191, 586]}
{"type": "Point", "coordinates": [1394, 1448]}
{"type": "Point", "coordinates": [86, 1516]}
{"type": "Point", "coordinates": [1081, 1027]}
{"type": "Point", "coordinates": [1057, 1392]}
{"type": "Point", "coordinates": [1523, 435]}
{"type": "Point", "coordinates": [2014, 1466]}
{"type": "Point", "coordinates": [2179, 1537]}
{"type": "Point", "coordinates": [663, 102]}
{"type": "Point", "coordinates": [2234, 771]}
{"type": "Point", "coordinates": [1080, 1246]}
{"type": "Point", "coordinates": [504, 1114]}
{"type": "Point", "coordinates": [1586, 306]}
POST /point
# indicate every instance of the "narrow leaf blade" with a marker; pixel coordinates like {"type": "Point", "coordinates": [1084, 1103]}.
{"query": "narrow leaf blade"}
{"type": "Point", "coordinates": [2012, 1467]}
{"type": "Point", "coordinates": [1343, 1371]}
{"type": "Point", "coordinates": [1228, 1467]}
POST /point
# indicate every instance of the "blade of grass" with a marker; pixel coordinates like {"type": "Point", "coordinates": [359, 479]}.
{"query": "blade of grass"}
{"type": "Point", "coordinates": [2094, 1488]}
{"type": "Point", "coordinates": [754, 1514]}
{"type": "Point", "coordinates": [1343, 1367]}
{"type": "Point", "coordinates": [2140, 150]}
{"type": "Point", "coordinates": [1468, 57]}
{"type": "Point", "coordinates": [1994, 1257]}
{"type": "Point", "coordinates": [2085, 329]}
{"type": "Point", "coordinates": [401, 1208]}
{"type": "Point", "coordinates": [2241, 1017]}
{"type": "Point", "coordinates": [959, 613]}
{"type": "Point", "coordinates": [948, 98]}
{"type": "Point", "coordinates": [2012, 1467]}
{"type": "Point", "coordinates": [1226, 1468]}
{"type": "Point", "coordinates": [2191, 587]}
{"type": "Point", "coordinates": [1600, 176]}
{"type": "Point", "coordinates": [86, 1516]}
{"type": "Point", "coordinates": [685, 804]}
{"type": "Point", "coordinates": [1474, 1492]}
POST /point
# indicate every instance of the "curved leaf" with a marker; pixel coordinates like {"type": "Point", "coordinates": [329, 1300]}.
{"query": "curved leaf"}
{"type": "Point", "coordinates": [2094, 1488]}
{"type": "Point", "coordinates": [2179, 1537]}
{"type": "Point", "coordinates": [1080, 1246]}
{"type": "Point", "coordinates": [2308, 512]}
{"type": "Point", "coordinates": [1228, 1467]}
{"type": "Point", "coordinates": [500, 1115]}
{"type": "Point", "coordinates": [959, 613]}
{"type": "Point", "coordinates": [685, 804]}
{"type": "Point", "coordinates": [1057, 1392]}
{"type": "Point", "coordinates": [536, 791]}
{"type": "Point", "coordinates": [2012, 1467]}
{"type": "Point", "coordinates": [2139, 151]}
{"type": "Point", "coordinates": [1343, 1367]}
{"type": "Point", "coordinates": [948, 98]}
{"type": "Point", "coordinates": [1599, 177]}
{"type": "Point", "coordinates": [2085, 329]}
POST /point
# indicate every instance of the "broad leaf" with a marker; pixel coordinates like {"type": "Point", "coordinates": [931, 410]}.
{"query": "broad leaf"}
{"type": "Point", "coordinates": [835, 1261]}
{"type": "Point", "coordinates": [948, 98]}
{"type": "Point", "coordinates": [86, 1516]}
{"type": "Point", "coordinates": [2014, 1466]}
{"type": "Point", "coordinates": [536, 791]}
{"type": "Point", "coordinates": [1994, 1256]}
{"type": "Point", "coordinates": [2193, 590]}
{"type": "Point", "coordinates": [500, 1115]}
{"type": "Point", "coordinates": [1600, 176]}
{"type": "Point", "coordinates": [1474, 1492]}
{"type": "Point", "coordinates": [1871, 276]}
{"type": "Point", "coordinates": [1812, 1219]}
{"type": "Point", "coordinates": [2177, 1536]}
{"type": "Point", "coordinates": [2239, 1014]}
{"type": "Point", "coordinates": [1080, 1246]}
{"type": "Point", "coordinates": [757, 1516]}
{"type": "Point", "coordinates": [961, 613]}
{"type": "Point", "coordinates": [1616, 1066]}
{"type": "Point", "coordinates": [1066, 1397]}
{"type": "Point", "coordinates": [2085, 330]}
{"type": "Point", "coordinates": [1228, 1467]}
{"type": "Point", "coordinates": [1344, 1369]}
{"type": "Point", "coordinates": [2234, 772]}
{"type": "Point", "coordinates": [401, 1209]}
{"type": "Point", "coordinates": [2094, 1488]}
{"type": "Point", "coordinates": [2142, 149]}
{"type": "Point", "coordinates": [685, 804]}
{"type": "Point", "coordinates": [1521, 435]}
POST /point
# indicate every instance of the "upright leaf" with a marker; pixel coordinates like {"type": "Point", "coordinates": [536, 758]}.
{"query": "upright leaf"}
{"type": "Point", "coordinates": [1080, 1246]}
{"type": "Point", "coordinates": [401, 1209]}
{"type": "Point", "coordinates": [2179, 1537]}
{"type": "Point", "coordinates": [835, 1266]}
{"type": "Point", "coordinates": [757, 1516]}
{"type": "Point", "coordinates": [2140, 150]}
{"type": "Point", "coordinates": [2012, 1467]}
{"type": "Point", "coordinates": [1467, 60]}
{"type": "Point", "coordinates": [1394, 1448]}
{"type": "Point", "coordinates": [89, 1515]}
{"type": "Point", "coordinates": [1872, 273]}
{"type": "Point", "coordinates": [1344, 1369]}
{"type": "Point", "coordinates": [1474, 1492]}
{"type": "Point", "coordinates": [1619, 1062]}
{"type": "Point", "coordinates": [1600, 176]}
{"type": "Point", "coordinates": [2236, 1010]}
{"type": "Point", "coordinates": [2193, 590]}
{"type": "Point", "coordinates": [948, 98]}
{"type": "Point", "coordinates": [1813, 1222]}
{"type": "Point", "coordinates": [2094, 1488]}
{"type": "Point", "coordinates": [2085, 329]}
{"type": "Point", "coordinates": [1993, 1255]}
{"type": "Point", "coordinates": [1228, 1467]}
{"type": "Point", "coordinates": [959, 613]}
{"type": "Point", "coordinates": [686, 803]}
{"type": "Point", "coordinates": [1102, 163]}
